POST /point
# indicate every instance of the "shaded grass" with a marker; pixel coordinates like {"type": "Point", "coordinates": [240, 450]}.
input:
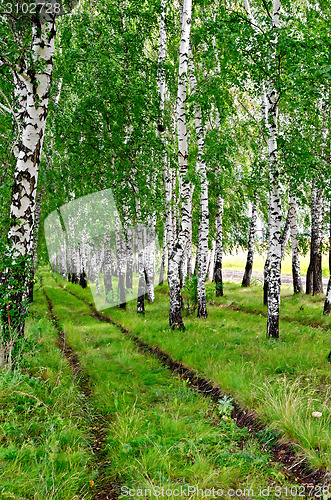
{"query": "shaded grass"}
{"type": "Point", "coordinates": [44, 449]}
{"type": "Point", "coordinates": [161, 432]}
{"type": "Point", "coordinates": [284, 380]}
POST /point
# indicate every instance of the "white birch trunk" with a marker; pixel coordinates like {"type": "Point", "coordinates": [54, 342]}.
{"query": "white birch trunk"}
{"type": "Point", "coordinates": [275, 214]}
{"type": "Point", "coordinates": [33, 90]}
{"type": "Point", "coordinates": [314, 282]}
{"type": "Point", "coordinates": [210, 270]}
{"type": "Point", "coordinates": [296, 272]}
{"type": "Point", "coordinates": [121, 261]}
{"type": "Point", "coordinates": [36, 94]}
{"type": "Point", "coordinates": [164, 256]}
{"type": "Point", "coordinates": [246, 281]}
{"type": "Point", "coordinates": [107, 268]}
{"type": "Point", "coordinates": [203, 212]}
{"type": "Point", "coordinates": [327, 303]}
{"type": "Point", "coordinates": [270, 110]}
{"type": "Point", "coordinates": [218, 278]}
{"type": "Point", "coordinates": [285, 234]}
{"type": "Point", "coordinates": [175, 316]}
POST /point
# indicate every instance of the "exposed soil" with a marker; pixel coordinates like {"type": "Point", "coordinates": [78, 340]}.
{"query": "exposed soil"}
{"type": "Point", "coordinates": [295, 466]}
{"type": "Point", "coordinates": [104, 490]}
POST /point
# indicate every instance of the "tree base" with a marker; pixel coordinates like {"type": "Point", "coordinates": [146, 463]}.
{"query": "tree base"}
{"type": "Point", "coordinates": [273, 327]}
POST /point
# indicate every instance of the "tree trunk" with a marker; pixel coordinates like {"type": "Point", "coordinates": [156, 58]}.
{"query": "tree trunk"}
{"type": "Point", "coordinates": [218, 278]}
{"type": "Point", "coordinates": [141, 270]}
{"type": "Point", "coordinates": [107, 268]}
{"type": "Point", "coordinates": [275, 208]}
{"type": "Point", "coordinates": [210, 270]}
{"type": "Point", "coordinates": [203, 229]}
{"type": "Point", "coordinates": [296, 272]}
{"type": "Point", "coordinates": [327, 303]}
{"type": "Point", "coordinates": [164, 253]}
{"type": "Point", "coordinates": [35, 88]}
{"type": "Point", "coordinates": [285, 234]}
{"type": "Point", "coordinates": [175, 315]}
{"type": "Point", "coordinates": [314, 282]}
{"type": "Point", "coordinates": [35, 243]}
{"type": "Point", "coordinates": [246, 281]}
{"type": "Point", "coordinates": [149, 262]}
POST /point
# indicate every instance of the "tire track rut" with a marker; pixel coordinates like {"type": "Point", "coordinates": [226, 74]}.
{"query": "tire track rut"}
{"type": "Point", "coordinates": [104, 489]}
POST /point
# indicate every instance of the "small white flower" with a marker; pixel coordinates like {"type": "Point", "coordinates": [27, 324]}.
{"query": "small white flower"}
{"type": "Point", "coordinates": [316, 414]}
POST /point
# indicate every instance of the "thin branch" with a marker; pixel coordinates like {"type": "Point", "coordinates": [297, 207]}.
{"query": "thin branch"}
{"type": "Point", "coordinates": [256, 121]}
{"type": "Point", "coordinates": [266, 8]}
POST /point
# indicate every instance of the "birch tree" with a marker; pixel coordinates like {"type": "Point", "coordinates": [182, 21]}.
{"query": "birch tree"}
{"type": "Point", "coordinates": [246, 281]}
{"type": "Point", "coordinates": [203, 230]}
{"type": "Point", "coordinates": [296, 272]}
{"type": "Point", "coordinates": [33, 81]}
{"type": "Point", "coordinates": [175, 316]}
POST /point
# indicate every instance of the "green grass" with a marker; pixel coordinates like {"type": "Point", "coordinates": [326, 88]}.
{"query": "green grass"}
{"type": "Point", "coordinates": [44, 449]}
{"type": "Point", "coordinates": [284, 381]}
{"type": "Point", "coordinates": [161, 433]}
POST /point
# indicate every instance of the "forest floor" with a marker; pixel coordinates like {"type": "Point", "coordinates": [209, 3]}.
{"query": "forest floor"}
{"type": "Point", "coordinates": [95, 409]}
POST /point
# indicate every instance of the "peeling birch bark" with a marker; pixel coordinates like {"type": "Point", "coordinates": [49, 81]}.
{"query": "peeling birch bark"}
{"type": "Point", "coordinates": [33, 89]}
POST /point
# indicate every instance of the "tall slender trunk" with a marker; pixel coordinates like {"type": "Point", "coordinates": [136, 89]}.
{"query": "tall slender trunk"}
{"type": "Point", "coordinates": [317, 245]}
{"type": "Point", "coordinates": [167, 173]}
{"type": "Point", "coordinates": [150, 258]}
{"type": "Point", "coordinates": [296, 272]}
{"type": "Point", "coordinates": [164, 254]}
{"type": "Point", "coordinates": [270, 100]}
{"type": "Point", "coordinates": [275, 217]}
{"type": "Point", "coordinates": [275, 214]}
{"type": "Point", "coordinates": [201, 170]}
{"type": "Point", "coordinates": [314, 282]}
{"type": "Point", "coordinates": [121, 261]}
{"type": "Point", "coordinates": [175, 316]}
{"type": "Point", "coordinates": [210, 269]}
{"type": "Point", "coordinates": [218, 278]}
{"type": "Point", "coordinates": [327, 303]}
{"type": "Point", "coordinates": [141, 271]}
{"type": "Point", "coordinates": [246, 281]}
{"type": "Point", "coordinates": [285, 234]}
{"type": "Point", "coordinates": [107, 268]}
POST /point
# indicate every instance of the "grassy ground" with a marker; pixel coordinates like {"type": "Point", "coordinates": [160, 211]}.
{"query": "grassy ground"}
{"type": "Point", "coordinates": [237, 262]}
{"type": "Point", "coordinates": [44, 444]}
{"type": "Point", "coordinates": [285, 381]}
{"type": "Point", "coordinates": [161, 433]}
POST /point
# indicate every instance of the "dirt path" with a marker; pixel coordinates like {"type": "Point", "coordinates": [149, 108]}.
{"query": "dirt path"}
{"type": "Point", "coordinates": [237, 276]}
{"type": "Point", "coordinates": [105, 490]}
{"type": "Point", "coordinates": [295, 467]}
